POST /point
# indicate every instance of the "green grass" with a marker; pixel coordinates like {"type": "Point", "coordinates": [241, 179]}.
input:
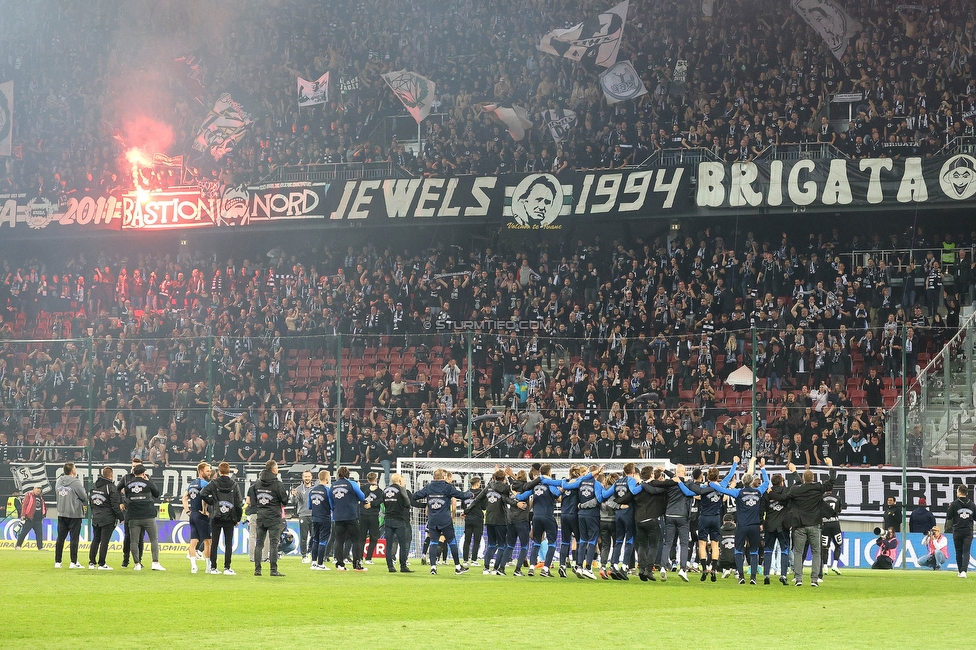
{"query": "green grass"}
{"type": "Point", "coordinates": [122, 609]}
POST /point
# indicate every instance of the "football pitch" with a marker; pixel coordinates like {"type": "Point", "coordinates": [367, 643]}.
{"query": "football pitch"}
{"type": "Point", "coordinates": [45, 607]}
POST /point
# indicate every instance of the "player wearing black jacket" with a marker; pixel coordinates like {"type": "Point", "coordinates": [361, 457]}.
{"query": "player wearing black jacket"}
{"type": "Point", "coordinates": [105, 508]}
{"type": "Point", "coordinates": [776, 528]}
{"type": "Point", "coordinates": [269, 496]}
{"type": "Point", "coordinates": [140, 496]}
{"type": "Point", "coordinates": [830, 533]}
{"type": "Point", "coordinates": [474, 524]}
{"type": "Point", "coordinates": [369, 517]}
{"type": "Point", "coordinates": [495, 501]}
{"type": "Point", "coordinates": [806, 500]}
{"type": "Point", "coordinates": [396, 502]}
{"type": "Point", "coordinates": [650, 504]}
{"type": "Point", "coordinates": [127, 536]}
{"type": "Point", "coordinates": [960, 517]}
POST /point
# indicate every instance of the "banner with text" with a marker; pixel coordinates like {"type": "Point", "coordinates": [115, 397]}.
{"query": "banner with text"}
{"type": "Point", "coordinates": [24, 212]}
{"type": "Point", "coordinates": [839, 183]}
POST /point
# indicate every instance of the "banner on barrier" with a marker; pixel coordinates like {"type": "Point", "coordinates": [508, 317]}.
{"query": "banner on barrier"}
{"type": "Point", "coordinates": [174, 536]}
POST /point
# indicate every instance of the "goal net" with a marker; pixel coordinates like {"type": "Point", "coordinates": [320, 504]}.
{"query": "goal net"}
{"type": "Point", "coordinates": [418, 472]}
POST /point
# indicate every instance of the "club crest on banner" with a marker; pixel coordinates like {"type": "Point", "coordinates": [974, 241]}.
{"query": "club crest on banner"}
{"type": "Point", "coordinates": [621, 82]}
{"type": "Point", "coordinates": [958, 177]}
{"type": "Point", "coordinates": [39, 211]}
{"type": "Point", "coordinates": [537, 201]}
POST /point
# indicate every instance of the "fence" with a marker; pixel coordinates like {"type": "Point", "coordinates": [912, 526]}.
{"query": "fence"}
{"type": "Point", "coordinates": [451, 388]}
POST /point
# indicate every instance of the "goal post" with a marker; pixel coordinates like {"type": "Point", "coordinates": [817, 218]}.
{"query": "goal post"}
{"type": "Point", "coordinates": [418, 472]}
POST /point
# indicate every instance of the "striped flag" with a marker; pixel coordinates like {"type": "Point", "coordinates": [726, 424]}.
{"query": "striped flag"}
{"type": "Point", "coordinates": [29, 476]}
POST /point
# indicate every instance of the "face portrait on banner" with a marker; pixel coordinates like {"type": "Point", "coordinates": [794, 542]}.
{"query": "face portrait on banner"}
{"type": "Point", "coordinates": [537, 200]}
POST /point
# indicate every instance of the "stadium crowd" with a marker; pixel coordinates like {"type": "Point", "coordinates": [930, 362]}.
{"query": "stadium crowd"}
{"type": "Point", "coordinates": [756, 75]}
{"type": "Point", "coordinates": [624, 351]}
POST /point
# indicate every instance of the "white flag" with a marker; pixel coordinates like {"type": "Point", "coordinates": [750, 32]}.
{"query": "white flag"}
{"type": "Point", "coordinates": [560, 121]}
{"type": "Point", "coordinates": [315, 92]}
{"type": "Point", "coordinates": [835, 26]}
{"type": "Point", "coordinates": [415, 91]}
{"type": "Point", "coordinates": [708, 8]}
{"type": "Point", "coordinates": [516, 120]}
{"type": "Point", "coordinates": [6, 117]}
{"type": "Point", "coordinates": [596, 39]}
{"type": "Point", "coordinates": [621, 82]}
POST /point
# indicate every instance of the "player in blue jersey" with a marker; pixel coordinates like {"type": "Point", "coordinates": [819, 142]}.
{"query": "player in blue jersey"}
{"type": "Point", "coordinates": [710, 524]}
{"type": "Point", "coordinates": [320, 505]}
{"type": "Point", "coordinates": [622, 557]}
{"type": "Point", "coordinates": [440, 496]}
{"type": "Point", "coordinates": [592, 494]}
{"type": "Point", "coordinates": [199, 519]}
{"type": "Point", "coordinates": [544, 498]}
{"type": "Point", "coordinates": [570, 518]}
{"type": "Point", "coordinates": [748, 517]}
{"type": "Point", "coordinates": [346, 497]}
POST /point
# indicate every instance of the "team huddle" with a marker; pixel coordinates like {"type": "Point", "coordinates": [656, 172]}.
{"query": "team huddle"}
{"type": "Point", "coordinates": [647, 521]}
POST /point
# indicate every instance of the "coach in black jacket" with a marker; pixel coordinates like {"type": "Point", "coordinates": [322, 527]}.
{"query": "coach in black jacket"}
{"type": "Point", "coordinates": [269, 496]}
{"type": "Point", "coordinates": [805, 499]}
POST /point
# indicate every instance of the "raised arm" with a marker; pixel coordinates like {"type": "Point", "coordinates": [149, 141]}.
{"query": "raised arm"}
{"type": "Point", "coordinates": [765, 483]}
{"type": "Point", "coordinates": [728, 477]}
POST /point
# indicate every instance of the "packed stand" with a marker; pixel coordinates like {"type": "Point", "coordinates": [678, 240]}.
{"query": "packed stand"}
{"type": "Point", "coordinates": [757, 76]}
{"type": "Point", "coordinates": [623, 352]}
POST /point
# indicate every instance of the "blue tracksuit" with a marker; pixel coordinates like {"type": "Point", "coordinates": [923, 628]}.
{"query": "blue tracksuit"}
{"type": "Point", "coordinates": [570, 518]}
{"type": "Point", "coordinates": [623, 542]}
{"type": "Point", "coordinates": [320, 504]}
{"type": "Point", "coordinates": [439, 521]}
{"type": "Point", "coordinates": [346, 496]}
{"type": "Point", "coordinates": [543, 519]}
{"type": "Point", "coordinates": [591, 495]}
{"type": "Point", "coordinates": [748, 517]}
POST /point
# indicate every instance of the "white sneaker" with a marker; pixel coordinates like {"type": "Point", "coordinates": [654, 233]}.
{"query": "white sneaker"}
{"type": "Point", "coordinates": [962, 574]}
{"type": "Point", "coordinates": [137, 567]}
{"type": "Point", "coordinates": [819, 581]}
{"type": "Point", "coordinates": [486, 572]}
{"type": "Point", "coordinates": [324, 567]}
{"type": "Point", "coordinates": [57, 565]}
{"type": "Point", "coordinates": [105, 568]}
{"type": "Point", "coordinates": [306, 559]}
{"type": "Point", "coordinates": [92, 565]}
{"type": "Point", "coordinates": [74, 565]}
{"type": "Point", "coordinates": [193, 568]}
{"type": "Point", "coordinates": [588, 574]}
{"type": "Point", "coordinates": [368, 562]}
{"type": "Point", "coordinates": [683, 575]}
{"type": "Point", "coordinates": [156, 566]}
{"type": "Point", "coordinates": [228, 572]}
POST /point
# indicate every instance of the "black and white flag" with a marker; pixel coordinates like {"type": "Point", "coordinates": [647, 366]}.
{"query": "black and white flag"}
{"type": "Point", "coordinates": [348, 84]}
{"type": "Point", "coordinates": [621, 82]}
{"type": "Point", "coordinates": [679, 79]}
{"type": "Point", "coordinates": [835, 26]}
{"type": "Point", "coordinates": [560, 122]}
{"type": "Point", "coordinates": [515, 119]}
{"type": "Point", "coordinates": [28, 477]}
{"type": "Point", "coordinates": [596, 40]}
